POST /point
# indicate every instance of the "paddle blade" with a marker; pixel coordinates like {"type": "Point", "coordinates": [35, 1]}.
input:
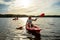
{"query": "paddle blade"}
{"type": "Point", "coordinates": [42, 15]}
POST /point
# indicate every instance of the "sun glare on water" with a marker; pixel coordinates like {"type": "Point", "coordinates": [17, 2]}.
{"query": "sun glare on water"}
{"type": "Point", "coordinates": [24, 20]}
{"type": "Point", "coordinates": [22, 3]}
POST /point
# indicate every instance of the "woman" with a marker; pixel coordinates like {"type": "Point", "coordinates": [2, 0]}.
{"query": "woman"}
{"type": "Point", "coordinates": [29, 21]}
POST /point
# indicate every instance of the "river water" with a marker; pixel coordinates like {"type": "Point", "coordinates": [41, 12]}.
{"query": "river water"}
{"type": "Point", "coordinates": [50, 29]}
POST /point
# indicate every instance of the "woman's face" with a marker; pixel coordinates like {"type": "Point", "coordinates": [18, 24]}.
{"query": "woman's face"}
{"type": "Point", "coordinates": [29, 17]}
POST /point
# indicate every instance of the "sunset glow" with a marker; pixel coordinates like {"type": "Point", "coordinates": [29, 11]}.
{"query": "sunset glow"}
{"type": "Point", "coordinates": [22, 3]}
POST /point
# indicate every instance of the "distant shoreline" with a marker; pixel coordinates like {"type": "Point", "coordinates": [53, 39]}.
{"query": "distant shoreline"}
{"type": "Point", "coordinates": [14, 15]}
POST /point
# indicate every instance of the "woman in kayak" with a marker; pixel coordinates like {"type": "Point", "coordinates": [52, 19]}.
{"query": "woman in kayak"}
{"type": "Point", "coordinates": [29, 21]}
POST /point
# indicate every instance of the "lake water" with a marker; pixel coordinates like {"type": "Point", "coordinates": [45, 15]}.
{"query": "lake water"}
{"type": "Point", "coordinates": [50, 29]}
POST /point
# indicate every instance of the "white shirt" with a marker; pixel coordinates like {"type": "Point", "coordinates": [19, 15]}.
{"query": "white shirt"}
{"type": "Point", "coordinates": [29, 21]}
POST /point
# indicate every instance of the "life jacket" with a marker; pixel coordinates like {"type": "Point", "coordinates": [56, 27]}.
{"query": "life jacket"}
{"type": "Point", "coordinates": [29, 23]}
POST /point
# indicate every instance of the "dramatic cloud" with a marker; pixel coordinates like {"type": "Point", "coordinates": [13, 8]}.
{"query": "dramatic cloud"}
{"type": "Point", "coordinates": [36, 7]}
{"type": "Point", "coordinates": [7, 0]}
{"type": "Point", "coordinates": [54, 8]}
{"type": "Point", "coordinates": [57, 4]}
{"type": "Point", "coordinates": [3, 8]}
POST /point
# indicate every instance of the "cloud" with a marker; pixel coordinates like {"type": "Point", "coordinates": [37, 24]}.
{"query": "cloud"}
{"type": "Point", "coordinates": [54, 8]}
{"type": "Point", "coordinates": [7, 0]}
{"type": "Point", "coordinates": [39, 5]}
{"type": "Point", "coordinates": [56, 4]}
{"type": "Point", "coordinates": [3, 8]}
{"type": "Point", "coordinates": [51, 6]}
{"type": "Point", "coordinates": [4, 5]}
{"type": "Point", "coordinates": [36, 7]}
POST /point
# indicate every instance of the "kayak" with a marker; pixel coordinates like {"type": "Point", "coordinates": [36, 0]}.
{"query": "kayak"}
{"type": "Point", "coordinates": [15, 18]}
{"type": "Point", "coordinates": [33, 29]}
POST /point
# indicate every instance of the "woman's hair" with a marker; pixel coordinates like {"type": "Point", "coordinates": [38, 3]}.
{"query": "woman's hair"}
{"type": "Point", "coordinates": [29, 17]}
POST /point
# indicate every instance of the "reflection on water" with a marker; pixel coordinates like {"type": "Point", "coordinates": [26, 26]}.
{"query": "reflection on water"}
{"type": "Point", "coordinates": [36, 38]}
{"type": "Point", "coordinates": [50, 29]}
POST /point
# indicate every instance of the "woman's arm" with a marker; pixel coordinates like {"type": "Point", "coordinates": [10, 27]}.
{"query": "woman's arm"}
{"type": "Point", "coordinates": [34, 19]}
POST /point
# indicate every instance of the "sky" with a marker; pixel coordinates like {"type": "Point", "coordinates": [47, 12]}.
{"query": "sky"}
{"type": "Point", "coordinates": [30, 7]}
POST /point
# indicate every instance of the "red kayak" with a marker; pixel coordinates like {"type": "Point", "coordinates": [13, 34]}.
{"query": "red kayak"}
{"type": "Point", "coordinates": [33, 29]}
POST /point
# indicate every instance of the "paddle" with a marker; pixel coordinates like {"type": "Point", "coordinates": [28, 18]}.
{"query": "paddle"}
{"type": "Point", "coordinates": [41, 15]}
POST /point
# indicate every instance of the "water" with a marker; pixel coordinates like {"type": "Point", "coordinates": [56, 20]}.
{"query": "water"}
{"type": "Point", "coordinates": [50, 29]}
